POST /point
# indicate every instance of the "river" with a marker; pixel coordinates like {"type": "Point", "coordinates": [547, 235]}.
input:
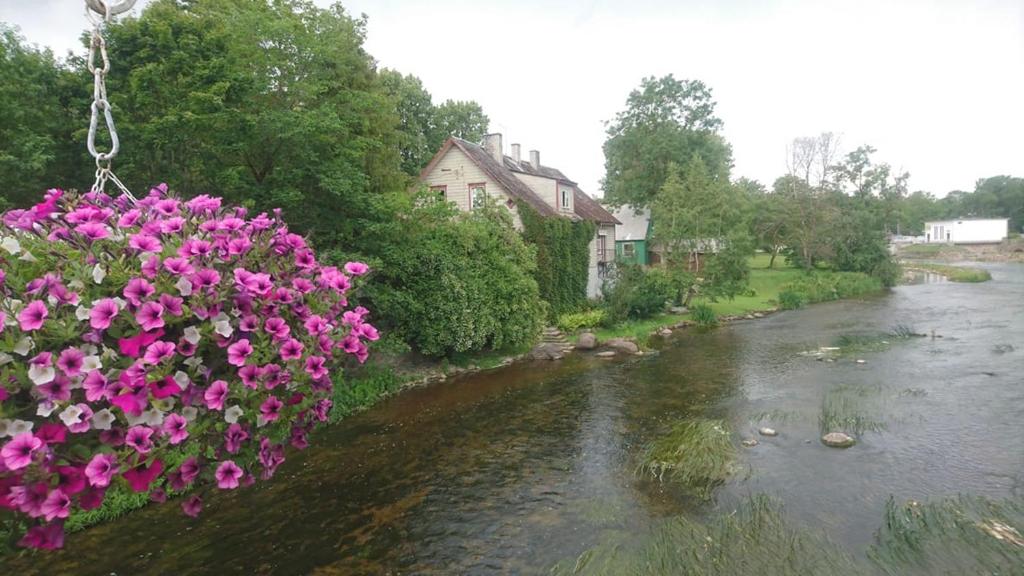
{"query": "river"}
{"type": "Point", "coordinates": [515, 470]}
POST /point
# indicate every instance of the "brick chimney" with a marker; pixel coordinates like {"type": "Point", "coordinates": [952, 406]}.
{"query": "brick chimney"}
{"type": "Point", "coordinates": [515, 153]}
{"type": "Point", "coordinates": [492, 143]}
{"type": "Point", "coordinates": [535, 159]}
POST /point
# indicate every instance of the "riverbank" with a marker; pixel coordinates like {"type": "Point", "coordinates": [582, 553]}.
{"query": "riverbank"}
{"type": "Point", "coordinates": [1011, 250]}
{"type": "Point", "coordinates": [952, 273]}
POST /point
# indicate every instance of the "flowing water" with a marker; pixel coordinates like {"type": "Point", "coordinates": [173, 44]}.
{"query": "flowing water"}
{"type": "Point", "coordinates": [513, 471]}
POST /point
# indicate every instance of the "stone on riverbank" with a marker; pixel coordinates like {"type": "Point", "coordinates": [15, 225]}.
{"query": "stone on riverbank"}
{"type": "Point", "coordinates": [606, 354]}
{"type": "Point", "coordinates": [838, 440]}
{"type": "Point", "coordinates": [587, 341]}
{"type": "Point", "coordinates": [664, 332]}
{"type": "Point", "coordinates": [749, 442]}
{"type": "Point", "coordinates": [547, 351]}
{"type": "Point", "coordinates": [767, 431]}
{"type": "Point", "coordinates": [622, 345]}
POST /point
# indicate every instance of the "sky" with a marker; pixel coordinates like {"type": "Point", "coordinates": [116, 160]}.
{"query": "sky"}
{"type": "Point", "coordinates": [937, 86]}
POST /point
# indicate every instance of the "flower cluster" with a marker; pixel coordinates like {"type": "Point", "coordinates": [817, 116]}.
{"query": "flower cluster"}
{"type": "Point", "coordinates": [156, 345]}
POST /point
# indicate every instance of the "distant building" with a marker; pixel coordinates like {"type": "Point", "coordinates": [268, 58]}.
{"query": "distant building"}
{"type": "Point", "coordinates": [966, 231]}
{"type": "Point", "coordinates": [465, 173]}
{"type": "Point", "coordinates": [631, 236]}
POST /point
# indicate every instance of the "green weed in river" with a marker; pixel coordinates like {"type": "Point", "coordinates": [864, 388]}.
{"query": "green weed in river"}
{"type": "Point", "coordinates": [850, 409]}
{"type": "Point", "coordinates": [963, 535]}
{"type": "Point", "coordinates": [697, 454]}
{"type": "Point", "coordinates": [755, 539]}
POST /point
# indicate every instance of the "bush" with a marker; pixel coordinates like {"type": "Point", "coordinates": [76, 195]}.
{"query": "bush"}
{"type": "Point", "coordinates": [791, 300]}
{"type": "Point", "coordinates": [133, 332]}
{"type": "Point", "coordinates": [703, 315]}
{"type": "Point", "coordinates": [452, 281]}
{"type": "Point", "coordinates": [563, 258]}
{"type": "Point", "coordinates": [631, 292]}
{"type": "Point", "coordinates": [825, 286]}
{"type": "Point", "coordinates": [575, 321]}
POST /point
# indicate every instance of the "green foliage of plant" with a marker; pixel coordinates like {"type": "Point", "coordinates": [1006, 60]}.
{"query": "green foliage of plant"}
{"type": "Point", "coordinates": [563, 258]}
{"type": "Point", "coordinates": [698, 454]}
{"type": "Point", "coordinates": [753, 540]}
{"type": "Point", "coordinates": [450, 281]}
{"type": "Point", "coordinates": [826, 286]}
{"type": "Point", "coordinates": [962, 535]}
{"type": "Point", "coordinates": [574, 321]}
{"type": "Point", "coordinates": [703, 315]}
{"type": "Point", "coordinates": [954, 273]}
{"type": "Point", "coordinates": [850, 409]}
{"type": "Point", "coordinates": [362, 389]}
{"type": "Point", "coordinates": [633, 292]}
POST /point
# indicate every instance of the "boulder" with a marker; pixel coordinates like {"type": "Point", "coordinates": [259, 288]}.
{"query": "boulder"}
{"type": "Point", "coordinates": [587, 341]}
{"type": "Point", "coordinates": [767, 431]}
{"type": "Point", "coordinates": [547, 351]}
{"type": "Point", "coordinates": [664, 332]}
{"type": "Point", "coordinates": [749, 443]}
{"type": "Point", "coordinates": [622, 345]}
{"type": "Point", "coordinates": [838, 440]}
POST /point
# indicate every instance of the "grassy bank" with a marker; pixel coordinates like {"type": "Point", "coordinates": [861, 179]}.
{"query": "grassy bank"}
{"type": "Point", "coordinates": [781, 286]}
{"type": "Point", "coordinates": [953, 273]}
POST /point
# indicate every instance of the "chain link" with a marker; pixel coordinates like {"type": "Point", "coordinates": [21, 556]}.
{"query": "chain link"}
{"type": "Point", "coordinates": [100, 103]}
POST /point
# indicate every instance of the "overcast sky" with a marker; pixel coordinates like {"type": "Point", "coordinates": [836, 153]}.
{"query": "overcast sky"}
{"type": "Point", "coordinates": [937, 86]}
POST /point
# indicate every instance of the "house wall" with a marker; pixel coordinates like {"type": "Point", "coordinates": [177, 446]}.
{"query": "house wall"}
{"type": "Point", "coordinates": [456, 172]}
{"type": "Point", "coordinates": [549, 190]}
{"type": "Point", "coordinates": [639, 252]}
{"type": "Point", "coordinates": [598, 261]}
{"type": "Point", "coordinates": [966, 231]}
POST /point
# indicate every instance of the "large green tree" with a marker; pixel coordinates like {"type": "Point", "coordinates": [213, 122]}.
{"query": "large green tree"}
{"type": "Point", "coordinates": [665, 121]}
{"type": "Point", "coordinates": [272, 103]}
{"type": "Point", "coordinates": [463, 119]}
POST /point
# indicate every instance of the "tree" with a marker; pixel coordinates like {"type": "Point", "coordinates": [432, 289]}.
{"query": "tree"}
{"type": "Point", "coordinates": [416, 117]}
{"type": "Point", "coordinates": [462, 119]}
{"type": "Point", "coordinates": [665, 121]}
{"type": "Point", "coordinates": [274, 104]}
{"type": "Point", "coordinates": [807, 221]}
{"type": "Point", "coordinates": [37, 150]}
{"type": "Point", "coordinates": [693, 212]}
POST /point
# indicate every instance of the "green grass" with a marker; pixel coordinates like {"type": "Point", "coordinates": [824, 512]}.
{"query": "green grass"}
{"type": "Point", "coordinates": [487, 359]}
{"type": "Point", "coordinates": [953, 273]}
{"type": "Point", "coordinates": [697, 454]}
{"type": "Point", "coordinates": [920, 250]}
{"type": "Point", "coordinates": [754, 540]}
{"type": "Point", "coordinates": [850, 409]}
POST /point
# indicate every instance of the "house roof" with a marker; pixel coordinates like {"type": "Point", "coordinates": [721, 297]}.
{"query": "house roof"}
{"type": "Point", "coordinates": [585, 206]}
{"type": "Point", "coordinates": [633, 224]}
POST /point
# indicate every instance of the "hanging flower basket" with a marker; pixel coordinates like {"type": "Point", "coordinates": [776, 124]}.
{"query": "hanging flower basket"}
{"type": "Point", "coordinates": [157, 345]}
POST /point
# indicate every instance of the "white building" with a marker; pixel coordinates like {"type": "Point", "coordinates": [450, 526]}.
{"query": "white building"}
{"type": "Point", "coordinates": [966, 231]}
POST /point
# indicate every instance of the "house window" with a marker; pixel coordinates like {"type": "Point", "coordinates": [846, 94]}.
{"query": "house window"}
{"type": "Point", "coordinates": [628, 250]}
{"type": "Point", "coordinates": [601, 246]}
{"type": "Point", "coordinates": [565, 199]}
{"type": "Point", "coordinates": [477, 195]}
{"type": "Point", "coordinates": [439, 193]}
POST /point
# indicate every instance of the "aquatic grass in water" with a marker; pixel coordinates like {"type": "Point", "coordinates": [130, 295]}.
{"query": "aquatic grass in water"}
{"type": "Point", "coordinates": [964, 535]}
{"type": "Point", "coordinates": [863, 343]}
{"type": "Point", "coordinates": [698, 454]}
{"type": "Point", "coordinates": [954, 273]}
{"type": "Point", "coordinates": [755, 539]}
{"type": "Point", "coordinates": [848, 409]}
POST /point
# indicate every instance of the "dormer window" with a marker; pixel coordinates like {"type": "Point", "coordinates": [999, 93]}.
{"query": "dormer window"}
{"type": "Point", "coordinates": [565, 199]}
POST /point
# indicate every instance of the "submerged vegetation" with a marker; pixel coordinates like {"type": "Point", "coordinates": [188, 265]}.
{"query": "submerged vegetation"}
{"type": "Point", "coordinates": [697, 454]}
{"type": "Point", "coordinates": [953, 273]}
{"type": "Point", "coordinates": [850, 409]}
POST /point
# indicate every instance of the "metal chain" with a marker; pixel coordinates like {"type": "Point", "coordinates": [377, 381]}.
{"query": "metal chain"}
{"type": "Point", "coordinates": [100, 104]}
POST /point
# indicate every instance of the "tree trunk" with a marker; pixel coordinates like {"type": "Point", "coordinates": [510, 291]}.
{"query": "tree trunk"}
{"type": "Point", "coordinates": [775, 252]}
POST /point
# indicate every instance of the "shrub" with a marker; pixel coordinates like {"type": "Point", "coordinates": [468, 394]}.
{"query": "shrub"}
{"type": "Point", "coordinates": [563, 258]}
{"type": "Point", "coordinates": [791, 300]}
{"type": "Point", "coordinates": [589, 319]}
{"type": "Point", "coordinates": [825, 286]}
{"type": "Point", "coordinates": [703, 315]}
{"type": "Point", "coordinates": [131, 333]}
{"type": "Point", "coordinates": [454, 281]}
{"type": "Point", "coordinates": [633, 292]}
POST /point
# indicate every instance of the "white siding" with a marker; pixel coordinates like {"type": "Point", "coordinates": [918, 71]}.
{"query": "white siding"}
{"type": "Point", "coordinates": [594, 279]}
{"type": "Point", "coordinates": [456, 172]}
{"type": "Point", "coordinates": [544, 187]}
{"type": "Point", "coordinates": [966, 231]}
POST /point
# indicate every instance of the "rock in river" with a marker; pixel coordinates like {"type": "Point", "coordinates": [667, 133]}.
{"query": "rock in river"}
{"type": "Point", "coordinates": [606, 354]}
{"type": "Point", "coordinates": [749, 442]}
{"type": "Point", "coordinates": [838, 440]}
{"type": "Point", "coordinates": [767, 432]}
{"type": "Point", "coordinates": [622, 345]}
{"type": "Point", "coordinates": [547, 351]}
{"type": "Point", "coordinates": [587, 341]}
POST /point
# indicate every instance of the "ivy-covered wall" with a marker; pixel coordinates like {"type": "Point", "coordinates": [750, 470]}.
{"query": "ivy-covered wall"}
{"type": "Point", "coordinates": [563, 257]}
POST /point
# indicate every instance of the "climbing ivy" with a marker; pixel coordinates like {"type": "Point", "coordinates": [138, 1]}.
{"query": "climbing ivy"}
{"type": "Point", "coordinates": [563, 257]}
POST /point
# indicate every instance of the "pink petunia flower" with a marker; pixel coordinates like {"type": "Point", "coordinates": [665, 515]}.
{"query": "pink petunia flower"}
{"type": "Point", "coordinates": [216, 394]}
{"type": "Point", "coordinates": [137, 290]}
{"type": "Point", "coordinates": [32, 316]}
{"type": "Point", "coordinates": [178, 266]}
{"type": "Point", "coordinates": [175, 426]}
{"type": "Point", "coordinates": [150, 316]}
{"type": "Point", "coordinates": [192, 506]}
{"type": "Point", "coordinates": [315, 367]}
{"type": "Point", "coordinates": [158, 351]}
{"type": "Point", "coordinates": [132, 347]}
{"type": "Point", "coordinates": [233, 438]}
{"type": "Point", "coordinates": [70, 361]}
{"type": "Point", "coordinates": [271, 408]}
{"type": "Point", "coordinates": [101, 469]}
{"type": "Point", "coordinates": [227, 475]}
{"type": "Point", "coordinates": [93, 231]}
{"type": "Point", "coordinates": [44, 537]}
{"type": "Point", "coordinates": [140, 438]}
{"type": "Point", "coordinates": [103, 313]}
{"type": "Point", "coordinates": [172, 304]}
{"type": "Point", "coordinates": [144, 243]}
{"type": "Point", "coordinates": [57, 505]}
{"type": "Point", "coordinates": [141, 477]}
{"type": "Point", "coordinates": [19, 452]}
{"type": "Point", "coordinates": [291, 349]}
{"type": "Point", "coordinates": [356, 268]}
{"type": "Point", "coordinates": [238, 352]}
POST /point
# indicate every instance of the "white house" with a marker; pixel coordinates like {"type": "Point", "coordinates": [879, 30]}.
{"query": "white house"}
{"type": "Point", "coordinates": [464, 173]}
{"type": "Point", "coordinates": [966, 231]}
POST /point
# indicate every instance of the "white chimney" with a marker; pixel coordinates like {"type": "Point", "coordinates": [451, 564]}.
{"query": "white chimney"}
{"type": "Point", "coordinates": [492, 143]}
{"type": "Point", "coordinates": [515, 153]}
{"type": "Point", "coordinates": [535, 159]}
